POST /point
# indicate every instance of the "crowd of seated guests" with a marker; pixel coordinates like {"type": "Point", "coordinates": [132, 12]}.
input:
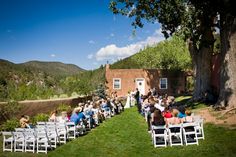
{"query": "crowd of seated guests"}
{"type": "Point", "coordinates": [160, 110]}
{"type": "Point", "coordinates": [89, 114]}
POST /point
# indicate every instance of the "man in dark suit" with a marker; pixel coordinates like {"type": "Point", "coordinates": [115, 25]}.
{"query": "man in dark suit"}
{"type": "Point", "coordinates": [136, 96]}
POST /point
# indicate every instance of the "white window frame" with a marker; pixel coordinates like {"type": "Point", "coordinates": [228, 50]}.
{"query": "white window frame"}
{"type": "Point", "coordinates": [166, 83]}
{"type": "Point", "coordinates": [114, 79]}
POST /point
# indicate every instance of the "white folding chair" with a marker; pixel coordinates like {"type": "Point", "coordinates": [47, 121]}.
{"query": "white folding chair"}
{"type": "Point", "coordinates": [80, 129]}
{"type": "Point", "coordinates": [41, 123]}
{"type": "Point", "coordinates": [175, 135]}
{"type": "Point", "coordinates": [50, 123]}
{"type": "Point", "coordinates": [43, 142]}
{"type": "Point", "coordinates": [70, 128]}
{"type": "Point", "coordinates": [30, 141]}
{"type": "Point", "coordinates": [8, 140]}
{"type": "Point", "coordinates": [52, 135]}
{"type": "Point", "coordinates": [19, 129]}
{"type": "Point", "coordinates": [42, 127]}
{"type": "Point", "coordinates": [159, 135]}
{"type": "Point", "coordinates": [190, 133]}
{"type": "Point", "coordinates": [61, 132]}
{"type": "Point", "coordinates": [199, 128]}
{"type": "Point", "coordinates": [30, 130]}
{"type": "Point", "coordinates": [19, 141]}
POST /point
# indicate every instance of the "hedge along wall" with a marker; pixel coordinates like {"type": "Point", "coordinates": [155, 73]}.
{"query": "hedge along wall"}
{"type": "Point", "coordinates": [33, 107]}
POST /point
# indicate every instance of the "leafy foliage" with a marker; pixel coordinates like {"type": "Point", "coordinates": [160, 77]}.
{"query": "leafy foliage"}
{"type": "Point", "coordinates": [170, 54]}
{"type": "Point", "coordinates": [10, 125]}
{"type": "Point", "coordinates": [42, 117]}
{"type": "Point", "coordinates": [8, 110]}
{"type": "Point", "coordinates": [63, 107]}
{"type": "Point", "coordinates": [36, 80]}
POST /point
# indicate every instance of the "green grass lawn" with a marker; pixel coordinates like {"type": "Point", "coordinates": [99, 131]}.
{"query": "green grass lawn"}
{"type": "Point", "coordinates": [126, 135]}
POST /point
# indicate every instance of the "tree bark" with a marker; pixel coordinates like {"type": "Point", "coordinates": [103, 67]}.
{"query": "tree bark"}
{"type": "Point", "coordinates": [202, 65]}
{"type": "Point", "coordinates": [227, 96]}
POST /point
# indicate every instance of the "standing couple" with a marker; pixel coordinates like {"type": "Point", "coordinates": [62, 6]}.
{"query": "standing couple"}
{"type": "Point", "coordinates": [132, 99]}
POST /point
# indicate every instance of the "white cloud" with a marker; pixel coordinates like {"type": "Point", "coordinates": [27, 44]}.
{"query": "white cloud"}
{"type": "Point", "coordinates": [90, 56]}
{"type": "Point", "coordinates": [53, 55]}
{"type": "Point", "coordinates": [112, 52]}
{"type": "Point", "coordinates": [91, 42]}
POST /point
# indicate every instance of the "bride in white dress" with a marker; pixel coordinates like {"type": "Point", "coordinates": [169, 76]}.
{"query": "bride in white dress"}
{"type": "Point", "coordinates": [128, 101]}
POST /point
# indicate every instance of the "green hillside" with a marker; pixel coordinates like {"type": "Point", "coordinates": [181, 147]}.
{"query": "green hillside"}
{"type": "Point", "coordinates": [54, 68]}
{"type": "Point", "coordinates": [169, 54]}
{"type": "Point", "coordinates": [34, 80]}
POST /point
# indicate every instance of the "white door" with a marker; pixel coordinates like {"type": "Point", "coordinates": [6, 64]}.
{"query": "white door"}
{"type": "Point", "coordinates": [140, 84]}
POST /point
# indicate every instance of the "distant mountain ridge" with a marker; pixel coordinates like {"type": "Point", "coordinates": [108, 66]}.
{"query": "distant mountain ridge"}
{"type": "Point", "coordinates": [54, 68]}
{"type": "Point", "coordinates": [35, 79]}
{"type": "Point", "coordinates": [51, 68]}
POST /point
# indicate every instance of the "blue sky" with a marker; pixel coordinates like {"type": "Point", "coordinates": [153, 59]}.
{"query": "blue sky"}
{"type": "Point", "coordinates": [81, 32]}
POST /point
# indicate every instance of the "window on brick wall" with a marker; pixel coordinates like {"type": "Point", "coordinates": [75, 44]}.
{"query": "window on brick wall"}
{"type": "Point", "coordinates": [163, 83]}
{"type": "Point", "coordinates": [116, 83]}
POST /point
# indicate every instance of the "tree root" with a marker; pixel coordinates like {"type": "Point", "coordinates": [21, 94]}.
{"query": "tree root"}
{"type": "Point", "coordinates": [228, 111]}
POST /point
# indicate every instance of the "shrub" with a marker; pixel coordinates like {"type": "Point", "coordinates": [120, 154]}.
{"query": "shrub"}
{"type": "Point", "coordinates": [74, 94]}
{"type": "Point", "coordinates": [63, 96]}
{"type": "Point", "coordinates": [54, 97]}
{"type": "Point", "coordinates": [63, 107]}
{"type": "Point", "coordinates": [9, 109]}
{"type": "Point", "coordinates": [10, 125]}
{"type": "Point", "coordinates": [42, 117]}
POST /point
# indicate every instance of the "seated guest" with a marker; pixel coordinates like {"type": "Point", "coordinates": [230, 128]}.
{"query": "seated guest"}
{"type": "Point", "coordinates": [157, 118]}
{"type": "Point", "coordinates": [63, 118]}
{"type": "Point", "coordinates": [24, 121]}
{"type": "Point", "coordinates": [181, 113]}
{"type": "Point", "coordinates": [75, 116]}
{"type": "Point", "coordinates": [150, 109]}
{"type": "Point", "coordinates": [53, 116]}
{"type": "Point", "coordinates": [188, 118]}
{"type": "Point", "coordinates": [167, 113]}
{"type": "Point", "coordinates": [68, 114]}
{"type": "Point", "coordinates": [159, 106]}
{"type": "Point", "coordinates": [174, 119]}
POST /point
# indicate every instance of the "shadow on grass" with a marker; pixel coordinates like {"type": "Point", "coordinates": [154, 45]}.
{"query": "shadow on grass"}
{"type": "Point", "coordinates": [188, 103]}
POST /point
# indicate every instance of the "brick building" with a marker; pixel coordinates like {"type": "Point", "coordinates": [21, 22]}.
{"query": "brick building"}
{"type": "Point", "coordinates": [165, 81]}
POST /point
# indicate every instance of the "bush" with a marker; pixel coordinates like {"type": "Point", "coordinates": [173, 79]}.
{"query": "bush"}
{"type": "Point", "coordinates": [10, 125]}
{"type": "Point", "coordinates": [74, 94]}
{"type": "Point", "coordinates": [63, 107]}
{"type": "Point", "coordinates": [9, 109]}
{"type": "Point", "coordinates": [63, 96]}
{"type": "Point", "coordinates": [42, 117]}
{"type": "Point", "coordinates": [54, 97]}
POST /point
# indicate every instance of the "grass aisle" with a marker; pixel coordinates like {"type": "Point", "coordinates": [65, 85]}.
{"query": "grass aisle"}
{"type": "Point", "coordinates": [126, 135]}
{"type": "Point", "coordinates": [122, 135]}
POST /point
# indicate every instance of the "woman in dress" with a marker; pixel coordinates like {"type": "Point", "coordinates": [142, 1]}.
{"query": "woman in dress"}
{"type": "Point", "coordinates": [128, 101]}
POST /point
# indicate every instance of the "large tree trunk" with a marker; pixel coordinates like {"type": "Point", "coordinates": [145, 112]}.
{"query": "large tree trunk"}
{"type": "Point", "coordinates": [227, 96]}
{"type": "Point", "coordinates": [202, 65]}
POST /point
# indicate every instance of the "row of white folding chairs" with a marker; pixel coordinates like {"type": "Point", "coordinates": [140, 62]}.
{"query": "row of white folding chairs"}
{"type": "Point", "coordinates": [177, 134]}
{"type": "Point", "coordinates": [67, 130]}
{"type": "Point", "coordinates": [52, 133]}
{"type": "Point", "coordinates": [26, 141]}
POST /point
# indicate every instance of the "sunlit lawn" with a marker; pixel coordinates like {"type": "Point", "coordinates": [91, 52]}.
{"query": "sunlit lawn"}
{"type": "Point", "coordinates": [126, 135]}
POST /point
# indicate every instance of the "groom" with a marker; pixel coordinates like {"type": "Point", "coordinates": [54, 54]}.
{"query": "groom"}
{"type": "Point", "coordinates": [136, 96]}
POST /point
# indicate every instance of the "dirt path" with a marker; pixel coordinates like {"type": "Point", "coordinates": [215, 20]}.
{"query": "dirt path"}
{"type": "Point", "coordinates": [215, 117]}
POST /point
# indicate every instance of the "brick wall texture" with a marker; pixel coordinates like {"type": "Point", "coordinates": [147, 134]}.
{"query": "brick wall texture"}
{"type": "Point", "coordinates": [176, 80]}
